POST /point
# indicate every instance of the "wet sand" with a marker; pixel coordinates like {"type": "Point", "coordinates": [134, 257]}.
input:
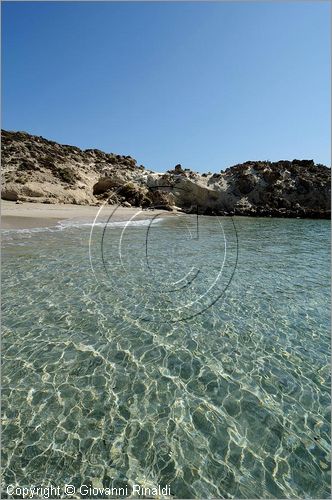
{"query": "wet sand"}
{"type": "Point", "coordinates": [29, 215]}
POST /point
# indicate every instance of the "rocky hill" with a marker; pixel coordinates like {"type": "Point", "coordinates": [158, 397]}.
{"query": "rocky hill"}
{"type": "Point", "coordinates": [38, 170]}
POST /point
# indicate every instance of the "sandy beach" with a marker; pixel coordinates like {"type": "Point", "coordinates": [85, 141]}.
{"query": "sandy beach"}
{"type": "Point", "coordinates": [29, 215]}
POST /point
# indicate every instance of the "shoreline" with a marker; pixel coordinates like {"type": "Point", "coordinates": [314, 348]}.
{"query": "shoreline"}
{"type": "Point", "coordinates": [27, 215]}
{"type": "Point", "coordinates": [33, 215]}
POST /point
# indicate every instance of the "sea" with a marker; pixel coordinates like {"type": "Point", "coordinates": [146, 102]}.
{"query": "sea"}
{"type": "Point", "coordinates": [188, 356]}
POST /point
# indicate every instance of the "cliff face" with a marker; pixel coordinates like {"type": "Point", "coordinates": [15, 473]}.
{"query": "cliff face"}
{"type": "Point", "coordinates": [35, 169]}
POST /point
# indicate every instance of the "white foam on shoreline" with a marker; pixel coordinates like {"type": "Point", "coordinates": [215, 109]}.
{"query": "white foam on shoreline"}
{"type": "Point", "coordinates": [70, 224]}
{"type": "Point", "coordinates": [123, 223]}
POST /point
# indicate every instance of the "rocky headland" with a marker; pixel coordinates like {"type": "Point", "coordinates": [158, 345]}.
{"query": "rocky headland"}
{"type": "Point", "coordinates": [35, 169]}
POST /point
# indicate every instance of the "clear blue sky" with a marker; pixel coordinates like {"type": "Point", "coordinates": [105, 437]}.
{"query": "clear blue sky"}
{"type": "Point", "coordinates": [206, 85]}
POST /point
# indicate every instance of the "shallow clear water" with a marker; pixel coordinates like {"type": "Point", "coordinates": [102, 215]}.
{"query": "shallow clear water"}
{"type": "Point", "coordinates": [167, 354]}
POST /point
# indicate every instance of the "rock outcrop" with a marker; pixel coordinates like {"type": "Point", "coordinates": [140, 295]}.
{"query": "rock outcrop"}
{"type": "Point", "coordinates": [35, 169]}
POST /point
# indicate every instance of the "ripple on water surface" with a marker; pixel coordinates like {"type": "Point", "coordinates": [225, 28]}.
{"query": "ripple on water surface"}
{"type": "Point", "coordinates": [105, 381]}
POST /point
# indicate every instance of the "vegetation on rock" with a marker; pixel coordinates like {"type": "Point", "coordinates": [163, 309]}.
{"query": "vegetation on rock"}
{"type": "Point", "coordinates": [36, 169]}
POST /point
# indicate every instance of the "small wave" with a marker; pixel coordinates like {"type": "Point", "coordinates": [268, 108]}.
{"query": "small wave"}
{"type": "Point", "coordinates": [129, 223]}
{"type": "Point", "coordinates": [70, 224]}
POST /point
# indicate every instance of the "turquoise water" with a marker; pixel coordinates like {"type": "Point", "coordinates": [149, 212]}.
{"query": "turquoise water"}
{"type": "Point", "coordinates": [169, 354]}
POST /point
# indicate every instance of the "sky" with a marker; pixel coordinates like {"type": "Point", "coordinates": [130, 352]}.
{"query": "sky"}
{"type": "Point", "coordinates": [207, 85]}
